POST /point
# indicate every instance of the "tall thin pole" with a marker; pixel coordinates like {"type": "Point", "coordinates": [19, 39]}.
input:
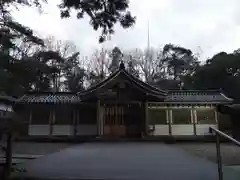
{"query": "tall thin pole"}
{"type": "Point", "coordinates": [148, 40]}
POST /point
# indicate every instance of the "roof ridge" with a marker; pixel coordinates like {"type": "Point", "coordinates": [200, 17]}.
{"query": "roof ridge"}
{"type": "Point", "coordinates": [195, 90]}
{"type": "Point", "coordinates": [141, 83]}
{"type": "Point", "coordinates": [48, 93]}
{"type": "Point", "coordinates": [150, 86]}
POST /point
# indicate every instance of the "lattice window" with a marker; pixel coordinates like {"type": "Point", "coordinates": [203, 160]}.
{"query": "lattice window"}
{"type": "Point", "coordinates": [40, 116]}
{"type": "Point", "coordinates": [157, 116]}
{"type": "Point", "coordinates": [63, 116]}
{"type": "Point", "coordinates": [87, 115]}
{"type": "Point", "coordinates": [206, 116]}
{"type": "Point", "coordinates": [181, 116]}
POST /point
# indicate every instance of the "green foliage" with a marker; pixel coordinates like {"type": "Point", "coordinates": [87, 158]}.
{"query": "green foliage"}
{"type": "Point", "coordinates": [104, 14]}
{"type": "Point", "coordinates": [180, 61]}
{"type": "Point", "coordinates": [219, 72]}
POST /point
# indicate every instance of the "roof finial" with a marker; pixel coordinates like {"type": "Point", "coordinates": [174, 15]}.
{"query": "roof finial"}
{"type": "Point", "coordinates": [121, 65]}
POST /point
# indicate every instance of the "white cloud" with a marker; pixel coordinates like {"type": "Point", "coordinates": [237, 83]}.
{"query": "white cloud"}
{"type": "Point", "coordinates": [213, 25]}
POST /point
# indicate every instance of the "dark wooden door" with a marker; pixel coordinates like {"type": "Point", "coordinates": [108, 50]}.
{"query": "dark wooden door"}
{"type": "Point", "coordinates": [113, 119]}
{"type": "Point", "coordinates": [122, 120]}
{"type": "Point", "coordinates": [132, 120]}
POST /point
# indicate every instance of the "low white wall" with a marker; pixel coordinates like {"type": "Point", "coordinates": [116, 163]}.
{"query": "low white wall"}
{"type": "Point", "coordinates": [5, 107]}
{"type": "Point", "coordinates": [161, 130]}
{"type": "Point", "coordinates": [38, 130]}
{"type": "Point", "coordinates": [203, 129]}
{"type": "Point", "coordinates": [63, 130]}
{"type": "Point", "coordinates": [87, 129]}
{"type": "Point", "coordinates": [182, 129]}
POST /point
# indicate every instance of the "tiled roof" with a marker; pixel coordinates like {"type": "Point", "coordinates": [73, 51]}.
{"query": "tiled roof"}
{"type": "Point", "coordinates": [50, 98]}
{"type": "Point", "coordinates": [183, 96]}
{"type": "Point", "coordinates": [7, 99]}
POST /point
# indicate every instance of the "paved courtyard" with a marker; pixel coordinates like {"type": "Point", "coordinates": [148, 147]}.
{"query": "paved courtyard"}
{"type": "Point", "coordinates": [120, 161]}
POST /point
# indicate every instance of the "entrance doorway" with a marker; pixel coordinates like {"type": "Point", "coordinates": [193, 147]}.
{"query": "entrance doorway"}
{"type": "Point", "coordinates": [122, 120]}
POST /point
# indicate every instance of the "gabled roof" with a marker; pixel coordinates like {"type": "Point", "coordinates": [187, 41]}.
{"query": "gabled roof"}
{"type": "Point", "coordinates": [198, 96]}
{"type": "Point", "coordinates": [142, 86]}
{"type": "Point", "coordinates": [49, 98]}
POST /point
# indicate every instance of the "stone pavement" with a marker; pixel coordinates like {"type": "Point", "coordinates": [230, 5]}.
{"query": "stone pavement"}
{"type": "Point", "coordinates": [124, 161]}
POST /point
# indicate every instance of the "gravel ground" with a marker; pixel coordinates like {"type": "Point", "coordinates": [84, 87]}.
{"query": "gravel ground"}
{"type": "Point", "coordinates": [38, 148]}
{"type": "Point", "coordinates": [124, 161]}
{"type": "Point", "coordinates": [230, 153]}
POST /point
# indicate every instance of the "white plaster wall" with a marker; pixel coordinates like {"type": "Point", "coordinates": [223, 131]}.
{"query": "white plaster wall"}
{"type": "Point", "coordinates": [38, 130]}
{"type": "Point", "coordinates": [161, 130]}
{"type": "Point", "coordinates": [5, 107]}
{"type": "Point", "coordinates": [87, 129]}
{"type": "Point", "coordinates": [62, 130]}
{"type": "Point", "coordinates": [182, 129]}
{"type": "Point", "coordinates": [203, 129]}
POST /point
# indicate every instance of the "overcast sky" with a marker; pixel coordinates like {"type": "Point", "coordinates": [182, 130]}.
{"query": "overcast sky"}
{"type": "Point", "coordinates": [205, 26]}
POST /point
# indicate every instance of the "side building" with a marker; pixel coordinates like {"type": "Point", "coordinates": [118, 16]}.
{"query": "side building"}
{"type": "Point", "coordinates": [122, 106]}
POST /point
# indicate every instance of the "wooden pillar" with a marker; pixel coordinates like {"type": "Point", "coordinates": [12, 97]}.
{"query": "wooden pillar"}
{"type": "Point", "coordinates": [51, 121]}
{"type": "Point", "coordinates": [74, 122]}
{"type": "Point", "coordinates": [99, 127]}
{"type": "Point", "coordinates": [30, 117]}
{"type": "Point", "coordinates": [77, 121]}
{"type": "Point", "coordinates": [193, 120]}
{"type": "Point", "coordinates": [146, 117]}
{"type": "Point", "coordinates": [216, 118]}
{"type": "Point", "coordinates": [30, 121]}
{"type": "Point", "coordinates": [170, 121]}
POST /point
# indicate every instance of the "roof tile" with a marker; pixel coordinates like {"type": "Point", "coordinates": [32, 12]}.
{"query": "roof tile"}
{"type": "Point", "coordinates": [52, 98]}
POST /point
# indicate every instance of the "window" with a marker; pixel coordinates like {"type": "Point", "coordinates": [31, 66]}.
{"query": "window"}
{"type": "Point", "coordinates": [63, 116]}
{"type": "Point", "coordinates": [181, 116]}
{"type": "Point", "coordinates": [40, 116]}
{"type": "Point", "coordinates": [206, 116]}
{"type": "Point", "coordinates": [157, 116]}
{"type": "Point", "coordinates": [87, 115]}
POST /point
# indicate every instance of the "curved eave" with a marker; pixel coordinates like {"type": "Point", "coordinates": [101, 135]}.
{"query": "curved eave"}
{"type": "Point", "coordinates": [227, 98]}
{"type": "Point", "coordinates": [100, 84]}
{"type": "Point", "coordinates": [144, 87]}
